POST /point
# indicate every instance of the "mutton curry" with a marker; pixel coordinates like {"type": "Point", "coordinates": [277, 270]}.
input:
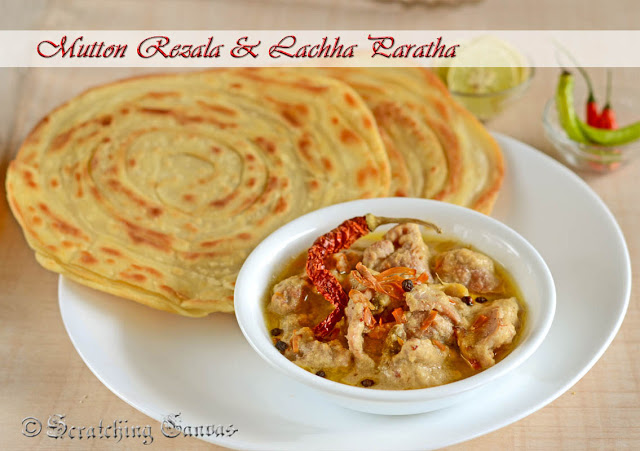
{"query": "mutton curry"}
{"type": "Point", "coordinates": [410, 311]}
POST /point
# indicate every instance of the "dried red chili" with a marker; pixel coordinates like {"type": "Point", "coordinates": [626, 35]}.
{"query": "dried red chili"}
{"type": "Point", "coordinates": [342, 237]}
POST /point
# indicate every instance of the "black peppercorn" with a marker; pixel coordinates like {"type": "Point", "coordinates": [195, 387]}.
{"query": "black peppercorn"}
{"type": "Point", "coordinates": [481, 300]}
{"type": "Point", "coordinates": [407, 285]}
{"type": "Point", "coordinates": [467, 300]}
{"type": "Point", "coordinates": [367, 382]}
{"type": "Point", "coordinates": [321, 374]}
{"type": "Point", "coordinates": [276, 331]}
{"type": "Point", "coordinates": [281, 345]}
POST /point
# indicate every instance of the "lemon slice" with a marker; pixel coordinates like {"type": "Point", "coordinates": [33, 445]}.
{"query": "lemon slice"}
{"type": "Point", "coordinates": [485, 65]}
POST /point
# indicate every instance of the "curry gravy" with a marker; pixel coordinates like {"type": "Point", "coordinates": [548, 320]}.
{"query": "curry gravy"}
{"type": "Point", "coordinates": [455, 366]}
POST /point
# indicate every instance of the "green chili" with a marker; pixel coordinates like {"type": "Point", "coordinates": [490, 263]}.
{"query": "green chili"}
{"type": "Point", "coordinates": [615, 137]}
{"type": "Point", "coordinates": [584, 133]}
{"type": "Point", "coordinates": [566, 113]}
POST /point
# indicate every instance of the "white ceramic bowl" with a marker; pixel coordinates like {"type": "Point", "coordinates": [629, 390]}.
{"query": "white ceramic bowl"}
{"type": "Point", "coordinates": [486, 234]}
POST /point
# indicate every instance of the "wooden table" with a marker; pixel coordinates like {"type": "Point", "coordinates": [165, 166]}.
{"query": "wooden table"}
{"type": "Point", "coordinates": [40, 372]}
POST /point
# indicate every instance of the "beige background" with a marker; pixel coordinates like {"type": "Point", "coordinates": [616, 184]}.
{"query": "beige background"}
{"type": "Point", "coordinates": [40, 372]}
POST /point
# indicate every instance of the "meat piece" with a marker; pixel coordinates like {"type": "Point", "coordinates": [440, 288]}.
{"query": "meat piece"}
{"type": "Point", "coordinates": [418, 364]}
{"type": "Point", "coordinates": [290, 295]}
{"type": "Point", "coordinates": [293, 321]}
{"type": "Point", "coordinates": [474, 270]}
{"type": "Point", "coordinates": [425, 298]}
{"type": "Point", "coordinates": [376, 253]}
{"type": "Point", "coordinates": [494, 326]}
{"type": "Point", "coordinates": [421, 352]}
{"type": "Point", "coordinates": [345, 261]}
{"type": "Point", "coordinates": [360, 321]}
{"type": "Point", "coordinates": [342, 263]}
{"type": "Point", "coordinates": [316, 355]}
{"type": "Point", "coordinates": [411, 250]}
{"type": "Point", "coordinates": [441, 328]}
{"type": "Point", "coordinates": [403, 246]}
{"type": "Point", "coordinates": [405, 234]}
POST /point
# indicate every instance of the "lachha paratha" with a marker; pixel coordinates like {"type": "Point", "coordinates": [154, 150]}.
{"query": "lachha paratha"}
{"type": "Point", "coordinates": [436, 148]}
{"type": "Point", "coordinates": [157, 188]}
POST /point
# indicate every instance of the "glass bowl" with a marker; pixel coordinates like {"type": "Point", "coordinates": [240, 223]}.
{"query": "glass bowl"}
{"type": "Point", "coordinates": [591, 157]}
{"type": "Point", "coordinates": [488, 105]}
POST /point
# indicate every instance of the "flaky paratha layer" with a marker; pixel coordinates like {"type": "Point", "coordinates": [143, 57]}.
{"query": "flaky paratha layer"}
{"type": "Point", "coordinates": [157, 188]}
{"type": "Point", "coordinates": [436, 148]}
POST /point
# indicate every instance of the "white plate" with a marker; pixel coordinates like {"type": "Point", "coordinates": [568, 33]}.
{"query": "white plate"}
{"type": "Point", "coordinates": [203, 368]}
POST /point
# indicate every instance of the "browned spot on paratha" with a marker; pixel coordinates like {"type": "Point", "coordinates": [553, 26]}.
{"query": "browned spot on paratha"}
{"type": "Point", "coordinates": [61, 225]}
{"type": "Point", "coordinates": [304, 144]}
{"type": "Point", "coordinates": [281, 206]}
{"type": "Point", "coordinates": [61, 140]}
{"type": "Point", "coordinates": [142, 235]}
{"type": "Point", "coordinates": [266, 144]}
{"type": "Point", "coordinates": [217, 108]}
{"type": "Point", "coordinates": [351, 101]}
{"type": "Point", "coordinates": [223, 202]}
{"type": "Point", "coordinates": [148, 270]}
{"type": "Point", "coordinates": [154, 212]}
{"type": "Point", "coordinates": [198, 255]}
{"type": "Point", "coordinates": [110, 251]}
{"type": "Point", "coordinates": [133, 276]}
{"type": "Point", "coordinates": [87, 258]}
{"type": "Point", "coordinates": [161, 95]}
{"type": "Point", "coordinates": [348, 137]}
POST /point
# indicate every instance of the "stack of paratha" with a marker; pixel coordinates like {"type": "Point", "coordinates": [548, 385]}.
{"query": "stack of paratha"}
{"type": "Point", "coordinates": [157, 188]}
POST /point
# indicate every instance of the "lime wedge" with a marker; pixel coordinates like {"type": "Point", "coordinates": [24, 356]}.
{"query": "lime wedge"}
{"type": "Point", "coordinates": [485, 65]}
{"type": "Point", "coordinates": [482, 80]}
